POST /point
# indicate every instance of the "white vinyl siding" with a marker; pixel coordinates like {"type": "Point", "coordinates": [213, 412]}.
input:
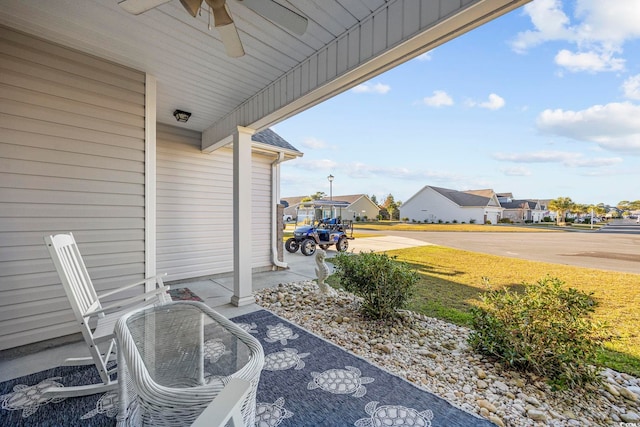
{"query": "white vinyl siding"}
{"type": "Point", "coordinates": [71, 159]}
{"type": "Point", "coordinates": [194, 207]}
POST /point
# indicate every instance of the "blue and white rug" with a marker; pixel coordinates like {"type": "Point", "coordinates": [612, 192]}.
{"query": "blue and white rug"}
{"type": "Point", "coordinates": [306, 381]}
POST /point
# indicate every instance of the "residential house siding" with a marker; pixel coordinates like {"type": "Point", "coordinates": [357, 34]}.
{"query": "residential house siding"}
{"type": "Point", "coordinates": [71, 159]}
{"type": "Point", "coordinates": [435, 204]}
{"type": "Point", "coordinates": [194, 205]}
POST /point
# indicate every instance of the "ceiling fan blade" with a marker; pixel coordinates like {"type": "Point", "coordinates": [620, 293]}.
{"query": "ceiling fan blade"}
{"type": "Point", "coordinates": [192, 6]}
{"type": "Point", "coordinates": [221, 15]}
{"type": "Point", "coordinates": [231, 40]}
{"type": "Point", "coordinates": [278, 14]}
{"type": "Point", "coordinates": [226, 28]}
{"type": "Point", "coordinates": [137, 7]}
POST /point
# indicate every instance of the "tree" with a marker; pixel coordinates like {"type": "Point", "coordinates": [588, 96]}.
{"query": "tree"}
{"type": "Point", "coordinates": [392, 207]}
{"type": "Point", "coordinates": [599, 210]}
{"type": "Point", "coordinates": [561, 206]}
{"type": "Point", "coordinates": [579, 209]}
{"type": "Point", "coordinates": [624, 206]}
{"type": "Point", "coordinates": [319, 195]}
{"type": "Point", "coordinates": [374, 199]}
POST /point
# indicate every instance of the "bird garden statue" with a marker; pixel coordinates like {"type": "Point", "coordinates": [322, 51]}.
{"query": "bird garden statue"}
{"type": "Point", "coordinates": [322, 271]}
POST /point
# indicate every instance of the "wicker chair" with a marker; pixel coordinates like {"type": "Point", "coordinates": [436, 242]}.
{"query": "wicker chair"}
{"type": "Point", "coordinates": [177, 359]}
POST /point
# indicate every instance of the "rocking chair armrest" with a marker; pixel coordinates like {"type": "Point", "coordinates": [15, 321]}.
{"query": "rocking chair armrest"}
{"type": "Point", "coordinates": [226, 406]}
{"type": "Point", "coordinates": [129, 301]}
{"type": "Point", "coordinates": [158, 279]}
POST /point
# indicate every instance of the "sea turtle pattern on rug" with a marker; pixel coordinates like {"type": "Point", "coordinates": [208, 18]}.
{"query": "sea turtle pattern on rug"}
{"type": "Point", "coordinates": [280, 333]}
{"type": "Point", "coordinates": [340, 381]}
{"type": "Point", "coordinates": [286, 359]}
{"type": "Point", "coordinates": [271, 414]}
{"type": "Point", "coordinates": [107, 405]}
{"type": "Point", "coordinates": [214, 349]}
{"type": "Point", "coordinates": [30, 398]}
{"type": "Point", "coordinates": [394, 415]}
{"type": "Point", "coordinates": [249, 327]}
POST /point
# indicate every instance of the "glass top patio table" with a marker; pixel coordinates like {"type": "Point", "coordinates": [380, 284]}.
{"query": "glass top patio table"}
{"type": "Point", "coordinates": [177, 357]}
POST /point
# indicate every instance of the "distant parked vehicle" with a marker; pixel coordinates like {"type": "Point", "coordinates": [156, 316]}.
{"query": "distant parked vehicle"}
{"type": "Point", "coordinates": [287, 218]}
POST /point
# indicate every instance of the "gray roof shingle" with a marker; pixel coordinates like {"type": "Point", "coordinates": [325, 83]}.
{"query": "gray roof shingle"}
{"type": "Point", "coordinates": [461, 198]}
{"type": "Point", "coordinates": [269, 137]}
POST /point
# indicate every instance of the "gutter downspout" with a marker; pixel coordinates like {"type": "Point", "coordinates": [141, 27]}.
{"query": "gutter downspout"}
{"type": "Point", "coordinates": [275, 199]}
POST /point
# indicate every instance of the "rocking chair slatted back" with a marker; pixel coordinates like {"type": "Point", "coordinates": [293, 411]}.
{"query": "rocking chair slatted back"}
{"type": "Point", "coordinates": [73, 273]}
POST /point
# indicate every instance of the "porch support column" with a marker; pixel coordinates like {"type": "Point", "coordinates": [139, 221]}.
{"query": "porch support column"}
{"type": "Point", "coordinates": [242, 282]}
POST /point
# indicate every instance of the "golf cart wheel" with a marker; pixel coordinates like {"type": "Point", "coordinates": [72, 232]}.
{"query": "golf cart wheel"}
{"type": "Point", "coordinates": [291, 245]}
{"type": "Point", "coordinates": [308, 247]}
{"type": "Point", "coordinates": [342, 244]}
{"type": "Point", "coordinates": [324, 247]}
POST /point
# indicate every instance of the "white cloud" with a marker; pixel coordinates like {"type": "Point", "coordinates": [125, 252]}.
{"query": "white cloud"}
{"type": "Point", "coordinates": [536, 156]}
{"type": "Point", "coordinates": [425, 56]}
{"type": "Point", "coordinates": [322, 164]}
{"type": "Point", "coordinates": [549, 21]}
{"type": "Point", "coordinates": [359, 170]}
{"type": "Point", "coordinates": [631, 87]}
{"type": "Point", "coordinates": [613, 126]}
{"type": "Point", "coordinates": [567, 158]}
{"type": "Point", "coordinates": [368, 87]}
{"type": "Point", "coordinates": [516, 171]}
{"type": "Point", "coordinates": [438, 99]}
{"type": "Point", "coordinates": [495, 102]}
{"type": "Point", "coordinates": [588, 61]}
{"type": "Point", "coordinates": [314, 143]}
{"type": "Point", "coordinates": [599, 31]}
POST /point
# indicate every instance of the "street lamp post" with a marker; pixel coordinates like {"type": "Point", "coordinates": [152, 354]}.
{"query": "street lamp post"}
{"type": "Point", "coordinates": [330, 178]}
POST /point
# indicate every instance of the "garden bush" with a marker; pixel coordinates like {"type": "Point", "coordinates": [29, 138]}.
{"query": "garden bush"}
{"type": "Point", "coordinates": [384, 284]}
{"type": "Point", "coordinates": [546, 330]}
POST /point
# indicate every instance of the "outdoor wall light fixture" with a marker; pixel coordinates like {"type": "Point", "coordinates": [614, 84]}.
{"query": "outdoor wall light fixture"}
{"type": "Point", "coordinates": [181, 116]}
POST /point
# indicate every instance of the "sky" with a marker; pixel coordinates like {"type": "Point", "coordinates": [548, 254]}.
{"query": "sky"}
{"type": "Point", "coordinates": [543, 102]}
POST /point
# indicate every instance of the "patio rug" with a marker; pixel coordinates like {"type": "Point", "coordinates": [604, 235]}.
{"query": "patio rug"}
{"type": "Point", "coordinates": [306, 381]}
{"type": "Point", "coordinates": [183, 294]}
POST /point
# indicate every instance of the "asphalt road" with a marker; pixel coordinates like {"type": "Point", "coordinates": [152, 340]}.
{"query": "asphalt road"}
{"type": "Point", "coordinates": [616, 250]}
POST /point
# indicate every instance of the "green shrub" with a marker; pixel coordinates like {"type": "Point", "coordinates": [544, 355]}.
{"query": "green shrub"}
{"type": "Point", "coordinates": [488, 222]}
{"type": "Point", "coordinates": [546, 330]}
{"type": "Point", "coordinates": [384, 284]}
{"type": "Point", "coordinates": [472, 221]}
{"type": "Point", "coordinates": [504, 221]}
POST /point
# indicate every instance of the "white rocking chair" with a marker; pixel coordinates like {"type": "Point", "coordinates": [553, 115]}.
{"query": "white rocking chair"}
{"type": "Point", "coordinates": [90, 313]}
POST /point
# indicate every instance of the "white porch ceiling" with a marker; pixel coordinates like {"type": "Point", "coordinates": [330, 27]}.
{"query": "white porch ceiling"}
{"type": "Point", "coordinates": [347, 41]}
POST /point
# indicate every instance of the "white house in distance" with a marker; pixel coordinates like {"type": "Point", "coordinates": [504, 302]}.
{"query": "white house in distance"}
{"type": "Point", "coordinates": [356, 206]}
{"type": "Point", "coordinates": [435, 204]}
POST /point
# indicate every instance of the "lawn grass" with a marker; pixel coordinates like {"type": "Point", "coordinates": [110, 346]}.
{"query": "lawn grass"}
{"type": "Point", "coordinates": [451, 282]}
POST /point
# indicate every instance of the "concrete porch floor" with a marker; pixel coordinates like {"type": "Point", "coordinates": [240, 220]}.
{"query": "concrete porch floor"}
{"type": "Point", "coordinates": [216, 293]}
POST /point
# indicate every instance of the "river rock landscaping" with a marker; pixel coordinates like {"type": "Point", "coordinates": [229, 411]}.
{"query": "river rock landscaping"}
{"type": "Point", "coordinates": [434, 354]}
